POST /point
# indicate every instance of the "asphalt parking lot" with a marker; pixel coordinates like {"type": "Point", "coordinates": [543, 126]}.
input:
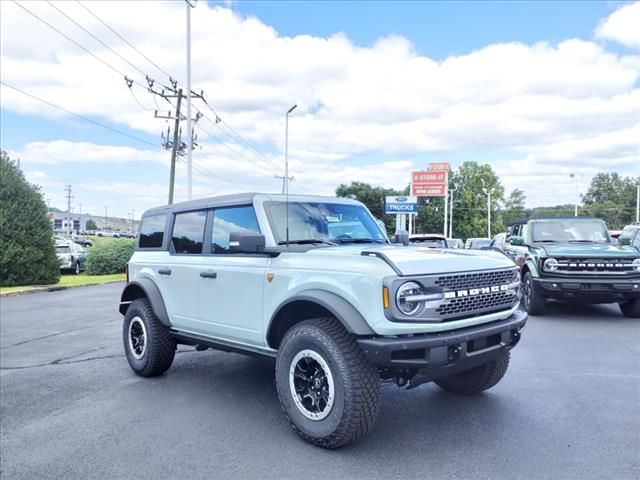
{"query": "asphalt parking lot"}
{"type": "Point", "coordinates": [70, 407]}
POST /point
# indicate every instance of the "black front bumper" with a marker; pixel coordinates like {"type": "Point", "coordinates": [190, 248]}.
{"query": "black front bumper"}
{"type": "Point", "coordinates": [589, 290]}
{"type": "Point", "coordinates": [441, 354]}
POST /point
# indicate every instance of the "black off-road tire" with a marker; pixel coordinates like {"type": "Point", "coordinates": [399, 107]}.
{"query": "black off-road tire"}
{"type": "Point", "coordinates": [631, 308]}
{"type": "Point", "coordinates": [477, 379]}
{"type": "Point", "coordinates": [160, 347]}
{"type": "Point", "coordinates": [533, 300]}
{"type": "Point", "coordinates": [357, 383]}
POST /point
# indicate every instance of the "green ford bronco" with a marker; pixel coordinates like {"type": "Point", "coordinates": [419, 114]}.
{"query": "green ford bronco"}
{"type": "Point", "coordinates": [573, 259]}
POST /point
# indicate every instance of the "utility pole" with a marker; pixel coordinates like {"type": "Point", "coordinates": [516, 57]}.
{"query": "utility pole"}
{"type": "Point", "coordinates": [67, 189]}
{"type": "Point", "coordinates": [638, 203]}
{"type": "Point", "coordinates": [172, 144]}
{"type": "Point", "coordinates": [133, 213]}
{"type": "Point", "coordinates": [446, 201]}
{"type": "Point", "coordinates": [80, 205]}
{"type": "Point", "coordinates": [282, 177]}
{"type": "Point", "coordinates": [105, 218]}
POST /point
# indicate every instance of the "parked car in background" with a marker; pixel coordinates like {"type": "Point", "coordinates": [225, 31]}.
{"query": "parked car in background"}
{"type": "Point", "coordinates": [71, 256]}
{"type": "Point", "coordinates": [630, 235]}
{"type": "Point", "coordinates": [455, 243]}
{"type": "Point", "coordinates": [108, 233]}
{"type": "Point", "coordinates": [574, 260]}
{"type": "Point", "coordinates": [80, 240]}
{"type": "Point", "coordinates": [429, 240]}
{"type": "Point", "coordinates": [477, 243]}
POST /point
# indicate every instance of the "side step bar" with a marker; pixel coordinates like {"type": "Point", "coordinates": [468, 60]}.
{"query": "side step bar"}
{"type": "Point", "coordinates": [194, 339]}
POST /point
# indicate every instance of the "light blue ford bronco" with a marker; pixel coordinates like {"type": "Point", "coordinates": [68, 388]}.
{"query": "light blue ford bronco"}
{"type": "Point", "coordinates": [314, 283]}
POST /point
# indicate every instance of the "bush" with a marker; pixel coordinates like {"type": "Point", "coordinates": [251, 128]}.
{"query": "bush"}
{"type": "Point", "coordinates": [111, 257]}
{"type": "Point", "coordinates": [27, 252]}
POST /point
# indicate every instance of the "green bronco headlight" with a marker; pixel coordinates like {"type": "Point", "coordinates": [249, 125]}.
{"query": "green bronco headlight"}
{"type": "Point", "coordinates": [550, 265]}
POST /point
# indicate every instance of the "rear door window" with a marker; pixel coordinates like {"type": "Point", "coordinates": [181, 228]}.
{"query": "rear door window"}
{"type": "Point", "coordinates": [188, 232]}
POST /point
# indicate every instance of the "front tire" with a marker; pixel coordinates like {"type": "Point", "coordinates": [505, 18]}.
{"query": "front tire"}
{"type": "Point", "coordinates": [148, 346]}
{"type": "Point", "coordinates": [477, 379]}
{"type": "Point", "coordinates": [328, 390]}
{"type": "Point", "coordinates": [534, 301]}
{"type": "Point", "coordinates": [631, 308]}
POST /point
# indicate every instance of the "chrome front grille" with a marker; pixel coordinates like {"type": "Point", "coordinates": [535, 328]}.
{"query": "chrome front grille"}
{"type": "Point", "coordinates": [478, 293]}
{"type": "Point", "coordinates": [477, 279]}
{"type": "Point", "coordinates": [595, 265]}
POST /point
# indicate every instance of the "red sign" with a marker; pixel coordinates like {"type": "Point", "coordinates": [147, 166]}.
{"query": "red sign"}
{"type": "Point", "coordinates": [428, 178]}
{"type": "Point", "coordinates": [427, 190]}
{"type": "Point", "coordinates": [438, 167]}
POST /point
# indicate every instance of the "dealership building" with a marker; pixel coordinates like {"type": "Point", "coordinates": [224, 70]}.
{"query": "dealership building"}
{"type": "Point", "coordinates": [77, 222]}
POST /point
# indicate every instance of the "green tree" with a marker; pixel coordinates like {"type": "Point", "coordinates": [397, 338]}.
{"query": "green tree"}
{"type": "Point", "coordinates": [612, 198]}
{"type": "Point", "coordinates": [373, 198]}
{"type": "Point", "coordinates": [27, 252]}
{"type": "Point", "coordinates": [514, 206]}
{"type": "Point", "coordinates": [91, 224]}
{"type": "Point", "coordinates": [471, 182]}
{"type": "Point", "coordinates": [566, 210]}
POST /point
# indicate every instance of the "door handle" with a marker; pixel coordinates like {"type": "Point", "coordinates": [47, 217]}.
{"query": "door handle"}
{"type": "Point", "coordinates": [208, 274]}
{"type": "Point", "coordinates": [164, 271]}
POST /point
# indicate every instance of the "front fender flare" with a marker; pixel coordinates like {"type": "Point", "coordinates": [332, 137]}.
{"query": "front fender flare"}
{"type": "Point", "coordinates": [340, 308]}
{"type": "Point", "coordinates": [145, 287]}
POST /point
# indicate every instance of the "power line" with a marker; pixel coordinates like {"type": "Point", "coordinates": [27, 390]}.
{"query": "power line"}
{"type": "Point", "coordinates": [94, 37]}
{"type": "Point", "coordinates": [79, 116]}
{"type": "Point", "coordinates": [70, 39]}
{"type": "Point", "coordinates": [123, 39]}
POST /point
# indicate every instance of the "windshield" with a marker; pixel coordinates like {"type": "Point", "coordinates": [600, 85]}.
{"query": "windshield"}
{"type": "Point", "coordinates": [430, 242]}
{"type": "Point", "coordinates": [570, 231]}
{"type": "Point", "coordinates": [62, 249]}
{"type": "Point", "coordinates": [325, 222]}
{"type": "Point", "coordinates": [481, 243]}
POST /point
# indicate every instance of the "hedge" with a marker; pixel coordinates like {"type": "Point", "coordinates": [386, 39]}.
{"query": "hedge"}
{"type": "Point", "coordinates": [109, 257]}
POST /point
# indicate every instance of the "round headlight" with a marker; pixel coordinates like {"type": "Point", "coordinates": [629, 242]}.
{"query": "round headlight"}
{"type": "Point", "coordinates": [406, 306]}
{"type": "Point", "coordinates": [636, 264]}
{"type": "Point", "coordinates": [550, 265]}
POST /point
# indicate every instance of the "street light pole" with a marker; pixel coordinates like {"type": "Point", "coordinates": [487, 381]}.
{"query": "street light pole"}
{"type": "Point", "coordinates": [451, 214]}
{"type": "Point", "coordinates": [189, 133]}
{"type": "Point", "coordinates": [487, 192]}
{"type": "Point", "coordinates": [638, 203]}
{"type": "Point", "coordinates": [286, 150]}
{"type": "Point", "coordinates": [575, 211]}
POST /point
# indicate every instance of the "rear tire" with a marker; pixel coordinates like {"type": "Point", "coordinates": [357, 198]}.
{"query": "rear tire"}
{"type": "Point", "coordinates": [328, 408]}
{"type": "Point", "coordinates": [631, 308]}
{"type": "Point", "coordinates": [477, 379]}
{"type": "Point", "coordinates": [148, 346]}
{"type": "Point", "coordinates": [534, 301]}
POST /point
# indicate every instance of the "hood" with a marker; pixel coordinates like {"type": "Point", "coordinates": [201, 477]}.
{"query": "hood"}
{"type": "Point", "coordinates": [601, 250]}
{"type": "Point", "coordinates": [424, 261]}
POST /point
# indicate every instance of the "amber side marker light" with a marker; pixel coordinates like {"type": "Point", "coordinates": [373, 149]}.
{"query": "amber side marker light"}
{"type": "Point", "coordinates": [385, 297]}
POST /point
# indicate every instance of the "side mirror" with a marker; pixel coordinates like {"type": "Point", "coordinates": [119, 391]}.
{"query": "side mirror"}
{"type": "Point", "coordinates": [401, 236]}
{"type": "Point", "coordinates": [624, 240]}
{"type": "Point", "coordinates": [246, 242]}
{"type": "Point", "coordinates": [517, 241]}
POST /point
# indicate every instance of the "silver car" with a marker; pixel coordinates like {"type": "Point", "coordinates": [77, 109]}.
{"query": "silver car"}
{"type": "Point", "coordinates": [72, 257]}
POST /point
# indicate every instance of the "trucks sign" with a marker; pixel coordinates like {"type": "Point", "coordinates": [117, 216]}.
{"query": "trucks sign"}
{"type": "Point", "coordinates": [401, 205]}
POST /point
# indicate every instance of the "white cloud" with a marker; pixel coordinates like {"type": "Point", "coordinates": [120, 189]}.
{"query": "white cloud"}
{"type": "Point", "coordinates": [557, 106]}
{"type": "Point", "coordinates": [622, 26]}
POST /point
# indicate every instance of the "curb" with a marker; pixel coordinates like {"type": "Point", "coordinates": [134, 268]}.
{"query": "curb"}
{"type": "Point", "coordinates": [54, 288]}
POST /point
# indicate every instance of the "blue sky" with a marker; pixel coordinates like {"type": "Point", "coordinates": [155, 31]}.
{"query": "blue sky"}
{"type": "Point", "coordinates": [404, 83]}
{"type": "Point", "coordinates": [437, 29]}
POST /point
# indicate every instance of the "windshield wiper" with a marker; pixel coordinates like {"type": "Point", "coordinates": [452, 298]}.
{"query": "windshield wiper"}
{"type": "Point", "coordinates": [545, 241]}
{"type": "Point", "coordinates": [583, 241]}
{"type": "Point", "coordinates": [306, 241]}
{"type": "Point", "coordinates": [359, 240]}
